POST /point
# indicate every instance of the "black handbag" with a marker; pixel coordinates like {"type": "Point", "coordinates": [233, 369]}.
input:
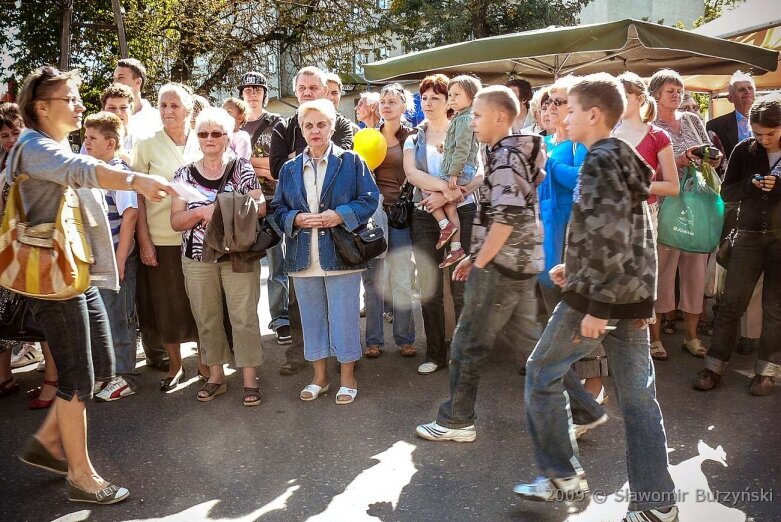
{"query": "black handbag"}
{"type": "Point", "coordinates": [400, 213]}
{"type": "Point", "coordinates": [16, 320]}
{"type": "Point", "coordinates": [267, 237]}
{"type": "Point", "coordinates": [359, 246]}
{"type": "Point", "coordinates": [725, 249]}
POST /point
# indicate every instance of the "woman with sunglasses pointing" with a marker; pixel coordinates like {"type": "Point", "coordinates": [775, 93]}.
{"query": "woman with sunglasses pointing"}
{"type": "Point", "coordinates": [77, 328]}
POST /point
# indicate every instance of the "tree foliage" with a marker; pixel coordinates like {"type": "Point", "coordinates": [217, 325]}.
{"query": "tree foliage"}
{"type": "Point", "coordinates": [206, 44]}
{"type": "Point", "coordinates": [430, 23]}
{"type": "Point", "coordinates": [714, 9]}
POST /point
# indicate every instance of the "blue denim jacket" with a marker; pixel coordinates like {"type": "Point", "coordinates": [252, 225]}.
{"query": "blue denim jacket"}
{"type": "Point", "coordinates": [348, 189]}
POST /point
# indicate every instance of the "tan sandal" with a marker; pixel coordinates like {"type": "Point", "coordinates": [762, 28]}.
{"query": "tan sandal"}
{"type": "Point", "coordinates": [408, 350]}
{"type": "Point", "coordinates": [695, 347]}
{"type": "Point", "coordinates": [658, 352]}
{"type": "Point", "coordinates": [372, 352]}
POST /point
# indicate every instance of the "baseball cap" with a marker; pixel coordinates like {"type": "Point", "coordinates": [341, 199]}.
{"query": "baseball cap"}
{"type": "Point", "coordinates": [253, 79]}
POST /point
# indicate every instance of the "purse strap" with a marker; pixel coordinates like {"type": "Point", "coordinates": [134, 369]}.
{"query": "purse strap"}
{"type": "Point", "coordinates": [228, 174]}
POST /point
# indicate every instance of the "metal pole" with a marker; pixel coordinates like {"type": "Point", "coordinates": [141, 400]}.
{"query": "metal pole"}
{"type": "Point", "coordinates": [123, 52]}
{"type": "Point", "coordinates": [65, 34]}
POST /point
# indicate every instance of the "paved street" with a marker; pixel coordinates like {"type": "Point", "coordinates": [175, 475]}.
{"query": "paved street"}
{"type": "Point", "coordinates": [289, 460]}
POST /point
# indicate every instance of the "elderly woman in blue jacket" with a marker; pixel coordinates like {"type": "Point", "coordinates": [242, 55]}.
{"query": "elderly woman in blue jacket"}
{"type": "Point", "coordinates": [322, 188]}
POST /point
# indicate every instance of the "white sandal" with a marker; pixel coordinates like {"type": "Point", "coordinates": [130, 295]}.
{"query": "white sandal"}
{"type": "Point", "coordinates": [658, 352]}
{"type": "Point", "coordinates": [349, 392]}
{"type": "Point", "coordinates": [314, 391]}
{"type": "Point", "coordinates": [695, 347]}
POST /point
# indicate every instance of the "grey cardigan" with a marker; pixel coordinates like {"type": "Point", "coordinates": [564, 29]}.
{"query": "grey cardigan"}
{"type": "Point", "coordinates": [52, 166]}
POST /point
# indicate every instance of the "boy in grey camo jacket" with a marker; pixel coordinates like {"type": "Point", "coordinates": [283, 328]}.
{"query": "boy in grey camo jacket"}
{"type": "Point", "coordinates": [609, 281]}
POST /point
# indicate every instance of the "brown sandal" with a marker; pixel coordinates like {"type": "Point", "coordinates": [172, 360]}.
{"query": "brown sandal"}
{"type": "Point", "coordinates": [210, 390]}
{"type": "Point", "coordinates": [251, 396]}
{"type": "Point", "coordinates": [408, 350]}
{"type": "Point", "coordinates": [372, 352]}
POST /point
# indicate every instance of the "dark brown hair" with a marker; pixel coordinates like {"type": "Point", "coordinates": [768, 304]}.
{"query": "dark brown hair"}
{"type": "Point", "coordinates": [524, 89]}
{"type": "Point", "coordinates": [139, 71]}
{"type": "Point", "coordinates": [766, 111]}
{"type": "Point", "coordinates": [39, 85]}
{"type": "Point", "coordinates": [602, 91]}
{"type": "Point", "coordinates": [116, 90]}
{"type": "Point", "coordinates": [11, 117]}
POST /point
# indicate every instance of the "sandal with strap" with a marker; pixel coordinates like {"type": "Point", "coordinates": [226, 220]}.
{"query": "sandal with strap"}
{"type": "Point", "coordinates": [9, 387]}
{"type": "Point", "coordinates": [407, 350]}
{"type": "Point", "coordinates": [251, 396]}
{"type": "Point", "coordinates": [695, 347]}
{"type": "Point", "coordinates": [372, 352]}
{"type": "Point", "coordinates": [658, 352]}
{"type": "Point", "coordinates": [346, 395]}
{"type": "Point", "coordinates": [210, 390]}
{"type": "Point", "coordinates": [36, 392]}
{"type": "Point", "coordinates": [313, 391]}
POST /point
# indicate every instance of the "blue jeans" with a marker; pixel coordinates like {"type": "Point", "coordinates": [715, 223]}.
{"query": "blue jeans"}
{"type": "Point", "coordinates": [399, 262]}
{"type": "Point", "coordinates": [277, 284]}
{"type": "Point", "coordinates": [547, 404]}
{"type": "Point", "coordinates": [78, 334]}
{"type": "Point", "coordinates": [121, 310]}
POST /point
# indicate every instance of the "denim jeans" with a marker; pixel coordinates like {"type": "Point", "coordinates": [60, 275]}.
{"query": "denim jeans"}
{"type": "Point", "coordinates": [121, 310]}
{"type": "Point", "coordinates": [277, 285]}
{"type": "Point", "coordinates": [79, 337]}
{"type": "Point", "coordinates": [399, 263]}
{"type": "Point", "coordinates": [425, 233]}
{"type": "Point", "coordinates": [753, 253]}
{"type": "Point", "coordinates": [547, 404]}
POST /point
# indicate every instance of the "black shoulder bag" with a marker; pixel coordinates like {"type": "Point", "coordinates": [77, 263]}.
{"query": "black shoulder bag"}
{"type": "Point", "coordinates": [400, 213]}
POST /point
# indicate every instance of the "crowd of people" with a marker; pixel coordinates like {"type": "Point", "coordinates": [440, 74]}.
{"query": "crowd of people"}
{"type": "Point", "coordinates": [522, 201]}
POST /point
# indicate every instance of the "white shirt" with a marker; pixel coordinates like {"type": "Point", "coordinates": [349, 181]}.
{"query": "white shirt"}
{"type": "Point", "coordinates": [142, 124]}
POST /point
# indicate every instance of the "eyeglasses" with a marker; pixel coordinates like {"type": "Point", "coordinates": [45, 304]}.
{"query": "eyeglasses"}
{"type": "Point", "coordinates": [558, 102]}
{"type": "Point", "coordinates": [214, 134]}
{"type": "Point", "coordinates": [70, 100]}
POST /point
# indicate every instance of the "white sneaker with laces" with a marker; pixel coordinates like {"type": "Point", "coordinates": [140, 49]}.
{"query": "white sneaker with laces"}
{"type": "Point", "coordinates": [543, 489]}
{"type": "Point", "coordinates": [427, 367]}
{"type": "Point", "coordinates": [29, 354]}
{"type": "Point", "coordinates": [433, 431]}
{"type": "Point", "coordinates": [581, 429]}
{"type": "Point", "coordinates": [652, 515]}
{"type": "Point", "coordinates": [114, 390]}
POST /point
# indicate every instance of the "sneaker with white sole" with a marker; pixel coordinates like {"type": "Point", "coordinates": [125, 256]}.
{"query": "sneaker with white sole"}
{"type": "Point", "coordinates": [114, 390]}
{"type": "Point", "coordinates": [427, 367]}
{"type": "Point", "coordinates": [652, 515]}
{"type": "Point", "coordinates": [41, 366]}
{"type": "Point", "coordinates": [543, 489]}
{"type": "Point", "coordinates": [29, 354]}
{"type": "Point", "coordinates": [581, 429]}
{"type": "Point", "coordinates": [433, 431]}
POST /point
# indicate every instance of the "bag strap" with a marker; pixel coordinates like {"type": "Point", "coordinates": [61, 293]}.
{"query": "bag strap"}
{"type": "Point", "coordinates": [228, 174]}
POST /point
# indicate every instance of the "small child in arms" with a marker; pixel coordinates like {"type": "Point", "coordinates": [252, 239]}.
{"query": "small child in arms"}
{"type": "Point", "coordinates": [459, 164]}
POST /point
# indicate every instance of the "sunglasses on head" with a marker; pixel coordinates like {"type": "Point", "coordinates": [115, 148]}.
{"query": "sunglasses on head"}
{"type": "Point", "coordinates": [214, 134]}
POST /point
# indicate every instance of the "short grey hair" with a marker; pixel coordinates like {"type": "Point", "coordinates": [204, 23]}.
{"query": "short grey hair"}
{"type": "Point", "coordinates": [181, 91]}
{"type": "Point", "coordinates": [740, 76]}
{"type": "Point", "coordinates": [323, 106]}
{"type": "Point", "coordinates": [218, 117]}
{"type": "Point", "coordinates": [311, 71]}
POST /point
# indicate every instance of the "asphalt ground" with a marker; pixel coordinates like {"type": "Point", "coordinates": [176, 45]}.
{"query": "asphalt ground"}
{"type": "Point", "coordinates": [183, 460]}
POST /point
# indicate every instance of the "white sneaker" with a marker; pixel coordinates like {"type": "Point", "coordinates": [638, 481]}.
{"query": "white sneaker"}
{"type": "Point", "coordinates": [41, 366]}
{"type": "Point", "coordinates": [652, 515]}
{"type": "Point", "coordinates": [427, 367]}
{"type": "Point", "coordinates": [571, 489]}
{"type": "Point", "coordinates": [581, 429]}
{"type": "Point", "coordinates": [433, 431]}
{"type": "Point", "coordinates": [115, 390]}
{"type": "Point", "coordinates": [29, 354]}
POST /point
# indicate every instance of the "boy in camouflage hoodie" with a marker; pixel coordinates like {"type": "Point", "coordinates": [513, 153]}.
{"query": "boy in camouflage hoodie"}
{"type": "Point", "coordinates": [609, 288]}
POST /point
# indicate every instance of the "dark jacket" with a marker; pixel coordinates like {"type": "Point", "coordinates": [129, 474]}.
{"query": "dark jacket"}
{"type": "Point", "coordinates": [762, 210]}
{"type": "Point", "coordinates": [611, 249]}
{"type": "Point", "coordinates": [726, 128]}
{"type": "Point", "coordinates": [348, 189]}
{"type": "Point", "coordinates": [287, 138]}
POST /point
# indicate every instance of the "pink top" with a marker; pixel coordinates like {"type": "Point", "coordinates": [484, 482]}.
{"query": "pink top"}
{"type": "Point", "coordinates": [650, 146]}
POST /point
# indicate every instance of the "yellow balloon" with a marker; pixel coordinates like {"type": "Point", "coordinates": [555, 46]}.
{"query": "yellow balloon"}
{"type": "Point", "coordinates": [371, 146]}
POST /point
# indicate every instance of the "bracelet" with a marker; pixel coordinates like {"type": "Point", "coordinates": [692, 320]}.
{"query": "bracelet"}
{"type": "Point", "coordinates": [130, 179]}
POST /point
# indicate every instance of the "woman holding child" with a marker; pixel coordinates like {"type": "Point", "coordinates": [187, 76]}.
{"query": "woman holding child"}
{"type": "Point", "coordinates": [423, 156]}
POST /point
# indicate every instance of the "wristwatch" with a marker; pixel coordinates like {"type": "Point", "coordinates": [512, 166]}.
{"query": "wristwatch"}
{"type": "Point", "coordinates": [129, 180]}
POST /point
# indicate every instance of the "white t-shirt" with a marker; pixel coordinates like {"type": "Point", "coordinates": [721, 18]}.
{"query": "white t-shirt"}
{"type": "Point", "coordinates": [434, 163]}
{"type": "Point", "coordinates": [142, 124]}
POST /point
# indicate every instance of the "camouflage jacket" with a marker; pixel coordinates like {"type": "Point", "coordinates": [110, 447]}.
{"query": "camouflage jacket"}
{"type": "Point", "coordinates": [611, 247]}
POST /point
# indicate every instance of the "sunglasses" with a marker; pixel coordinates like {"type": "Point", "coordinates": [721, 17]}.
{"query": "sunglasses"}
{"type": "Point", "coordinates": [214, 134]}
{"type": "Point", "coordinates": [558, 102]}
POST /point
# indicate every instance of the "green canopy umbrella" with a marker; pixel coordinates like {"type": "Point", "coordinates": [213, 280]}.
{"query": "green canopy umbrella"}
{"type": "Point", "coordinates": [543, 55]}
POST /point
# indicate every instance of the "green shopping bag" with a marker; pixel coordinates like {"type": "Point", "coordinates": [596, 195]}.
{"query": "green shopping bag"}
{"type": "Point", "coordinates": [692, 221]}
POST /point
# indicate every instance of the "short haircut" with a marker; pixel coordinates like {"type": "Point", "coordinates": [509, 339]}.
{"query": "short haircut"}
{"type": "Point", "coordinates": [540, 96]}
{"type": "Point", "coordinates": [10, 116]}
{"type": "Point", "coordinates": [501, 98]}
{"type": "Point", "coordinates": [372, 100]}
{"type": "Point", "coordinates": [662, 77]}
{"type": "Point", "coordinates": [470, 84]}
{"type": "Point", "coordinates": [218, 117]}
{"type": "Point", "coordinates": [323, 106]}
{"type": "Point", "coordinates": [436, 82]}
{"type": "Point", "coordinates": [333, 77]}
{"type": "Point", "coordinates": [398, 90]}
{"type": "Point", "coordinates": [107, 124]}
{"type": "Point", "coordinates": [185, 95]}
{"type": "Point", "coordinates": [563, 84]}
{"type": "Point", "coordinates": [766, 111]}
{"type": "Point", "coordinates": [116, 90]}
{"type": "Point", "coordinates": [240, 105]}
{"type": "Point", "coordinates": [601, 91]}
{"type": "Point", "coordinates": [311, 71]}
{"type": "Point", "coordinates": [524, 88]}
{"type": "Point", "coordinates": [633, 84]}
{"type": "Point", "coordinates": [200, 103]}
{"type": "Point", "coordinates": [39, 85]}
{"type": "Point", "coordinates": [740, 76]}
{"type": "Point", "coordinates": [139, 71]}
